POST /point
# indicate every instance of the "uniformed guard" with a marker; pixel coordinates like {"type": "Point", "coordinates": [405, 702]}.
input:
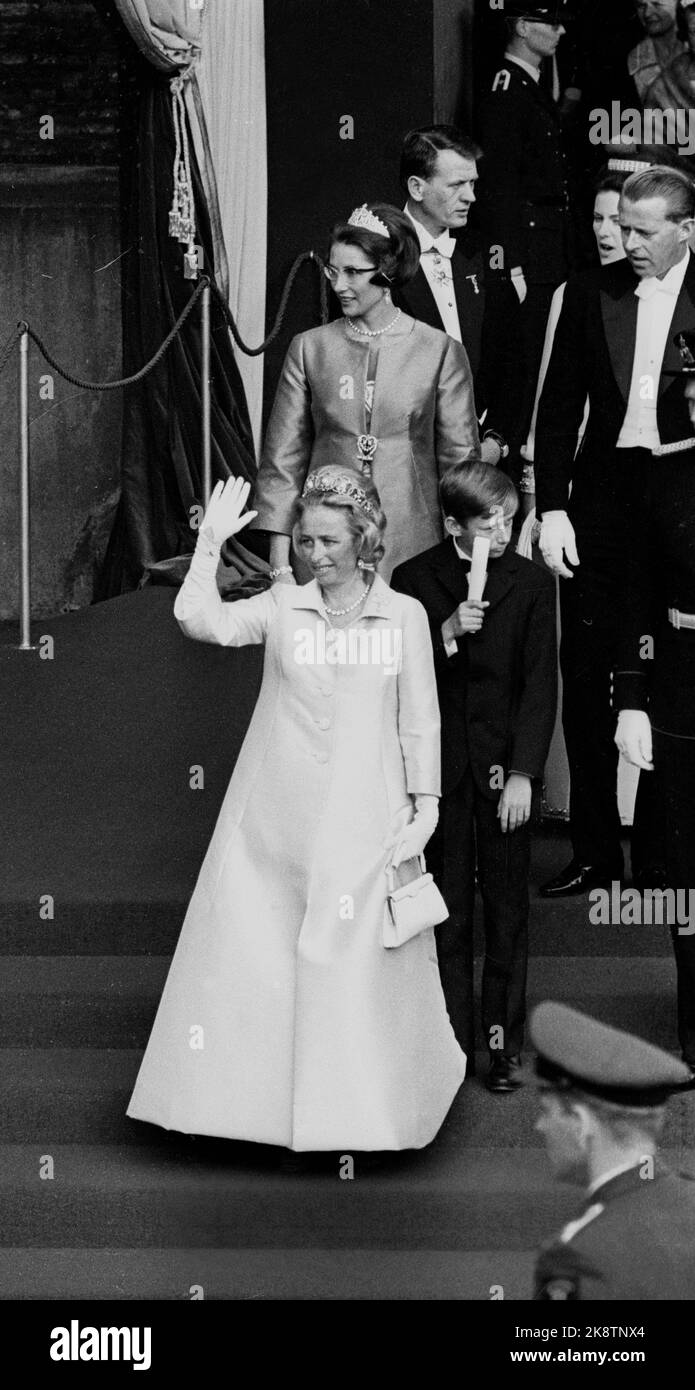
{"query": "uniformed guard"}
{"type": "Point", "coordinates": [525, 203]}
{"type": "Point", "coordinates": [603, 1105]}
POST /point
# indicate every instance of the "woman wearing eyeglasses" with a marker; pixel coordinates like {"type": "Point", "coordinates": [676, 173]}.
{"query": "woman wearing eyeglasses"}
{"type": "Point", "coordinates": [376, 390]}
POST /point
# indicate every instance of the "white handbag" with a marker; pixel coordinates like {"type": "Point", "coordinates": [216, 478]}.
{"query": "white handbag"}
{"type": "Point", "coordinates": [413, 907]}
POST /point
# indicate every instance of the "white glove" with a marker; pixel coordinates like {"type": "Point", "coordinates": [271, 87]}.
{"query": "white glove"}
{"type": "Point", "coordinates": [634, 738]}
{"type": "Point", "coordinates": [223, 513]}
{"type": "Point", "coordinates": [519, 283]}
{"type": "Point", "coordinates": [557, 535]}
{"type": "Point", "coordinates": [411, 839]}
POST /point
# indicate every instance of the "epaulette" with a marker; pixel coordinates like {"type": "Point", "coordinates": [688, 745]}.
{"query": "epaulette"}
{"type": "Point", "coordinates": [501, 79]}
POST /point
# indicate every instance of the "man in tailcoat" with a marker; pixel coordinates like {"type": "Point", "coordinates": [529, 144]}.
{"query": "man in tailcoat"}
{"type": "Point", "coordinates": [603, 1102]}
{"type": "Point", "coordinates": [614, 344]}
{"type": "Point", "coordinates": [525, 207]}
{"type": "Point", "coordinates": [451, 290]}
{"type": "Point", "coordinates": [496, 669]}
{"type": "Point", "coordinates": [655, 675]}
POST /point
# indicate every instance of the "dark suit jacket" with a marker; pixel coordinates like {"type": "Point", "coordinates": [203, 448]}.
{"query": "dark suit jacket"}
{"type": "Point", "coordinates": [592, 356]}
{"type": "Point", "coordinates": [497, 695]}
{"type": "Point", "coordinates": [641, 1246]}
{"type": "Point", "coordinates": [489, 318]}
{"type": "Point", "coordinates": [659, 574]}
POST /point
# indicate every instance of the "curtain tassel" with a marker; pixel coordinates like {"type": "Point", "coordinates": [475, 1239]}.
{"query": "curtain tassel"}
{"type": "Point", "coordinates": [182, 212]}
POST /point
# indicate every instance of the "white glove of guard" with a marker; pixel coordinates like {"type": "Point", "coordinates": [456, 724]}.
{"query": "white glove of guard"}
{"type": "Point", "coordinates": [223, 513]}
{"type": "Point", "coordinates": [411, 839]}
{"type": "Point", "coordinates": [633, 737]}
{"type": "Point", "coordinates": [557, 536]}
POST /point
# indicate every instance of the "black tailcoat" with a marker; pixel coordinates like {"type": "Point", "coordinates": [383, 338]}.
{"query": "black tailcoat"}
{"type": "Point", "coordinates": [592, 356]}
{"type": "Point", "coordinates": [488, 312]}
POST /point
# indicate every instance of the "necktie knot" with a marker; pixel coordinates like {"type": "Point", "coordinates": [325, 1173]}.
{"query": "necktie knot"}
{"type": "Point", "coordinates": [443, 246]}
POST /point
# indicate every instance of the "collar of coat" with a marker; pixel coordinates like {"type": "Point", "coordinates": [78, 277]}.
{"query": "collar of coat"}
{"type": "Point", "coordinates": [619, 306]}
{"type": "Point", "coordinates": [630, 1180]}
{"type": "Point", "coordinates": [380, 602]}
{"type": "Point", "coordinates": [452, 572]}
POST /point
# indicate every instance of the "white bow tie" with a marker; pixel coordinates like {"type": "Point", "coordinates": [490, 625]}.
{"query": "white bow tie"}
{"type": "Point", "coordinates": [443, 246]}
{"type": "Point", "coordinates": [651, 286]}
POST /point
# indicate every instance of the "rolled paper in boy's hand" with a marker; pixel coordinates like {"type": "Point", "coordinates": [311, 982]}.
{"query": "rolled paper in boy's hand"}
{"type": "Point", "coordinates": [478, 574]}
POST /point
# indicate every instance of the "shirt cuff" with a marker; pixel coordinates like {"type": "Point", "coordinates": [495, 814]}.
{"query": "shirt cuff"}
{"type": "Point", "coordinates": [451, 647]}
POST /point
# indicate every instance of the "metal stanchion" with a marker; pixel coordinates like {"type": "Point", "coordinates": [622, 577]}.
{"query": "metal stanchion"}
{"type": "Point", "coordinates": [25, 644]}
{"type": "Point", "coordinates": [205, 392]}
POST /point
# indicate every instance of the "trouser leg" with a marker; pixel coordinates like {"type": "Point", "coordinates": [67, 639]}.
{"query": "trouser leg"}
{"type": "Point", "coordinates": [587, 649]}
{"type": "Point", "coordinates": [674, 792]}
{"type": "Point", "coordinates": [451, 858]}
{"type": "Point", "coordinates": [503, 870]}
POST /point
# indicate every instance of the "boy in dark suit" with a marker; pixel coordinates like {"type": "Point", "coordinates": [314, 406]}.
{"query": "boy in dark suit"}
{"type": "Point", "coordinates": [496, 666]}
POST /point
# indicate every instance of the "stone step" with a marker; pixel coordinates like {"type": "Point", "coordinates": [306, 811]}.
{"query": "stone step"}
{"type": "Point", "coordinates": [259, 1274]}
{"type": "Point", "coordinates": [80, 1095]}
{"type": "Point", "coordinates": [101, 917]}
{"type": "Point", "coordinates": [110, 1001]}
{"type": "Point", "coordinates": [222, 1196]}
{"type": "Point", "coordinates": [123, 927]}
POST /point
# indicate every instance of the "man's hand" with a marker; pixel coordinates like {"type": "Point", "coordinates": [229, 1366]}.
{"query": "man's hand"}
{"type": "Point", "coordinates": [223, 514]}
{"type": "Point", "coordinates": [519, 283]}
{"type": "Point", "coordinates": [634, 738]}
{"type": "Point", "coordinates": [490, 451]}
{"type": "Point", "coordinates": [514, 807]}
{"type": "Point", "coordinates": [468, 617]}
{"type": "Point", "coordinates": [558, 541]}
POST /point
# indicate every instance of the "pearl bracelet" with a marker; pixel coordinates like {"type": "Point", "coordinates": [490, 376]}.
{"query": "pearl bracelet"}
{"type": "Point", "coordinates": [281, 569]}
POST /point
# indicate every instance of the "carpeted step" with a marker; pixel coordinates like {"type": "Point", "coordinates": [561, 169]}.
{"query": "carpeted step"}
{"type": "Point", "coordinates": [291, 1273]}
{"type": "Point", "coordinates": [110, 1001]}
{"type": "Point", "coordinates": [90, 924]}
{"type": "Point", "coordinates": [80, 1096]}
{"type": "Point", "coordinates": [111, 1197]}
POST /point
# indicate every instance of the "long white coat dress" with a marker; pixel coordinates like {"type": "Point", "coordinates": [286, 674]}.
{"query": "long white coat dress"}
{"type": "Point", "coordinates": [284, 1019]}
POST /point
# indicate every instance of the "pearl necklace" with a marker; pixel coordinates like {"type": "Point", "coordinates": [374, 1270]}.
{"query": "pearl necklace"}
{"type": "Point", "coordinates": [373, 332]}
{"type": "Point", "coordinates": [340, 612]}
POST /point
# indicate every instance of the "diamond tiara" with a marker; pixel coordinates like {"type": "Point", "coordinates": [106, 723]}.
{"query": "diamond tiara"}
{"type": "Point", "coordinates": [343, 486]}
{"type": "Point", "coordinates": [362, 217]}
{"type": "Point", "coordinates": [629, 166]}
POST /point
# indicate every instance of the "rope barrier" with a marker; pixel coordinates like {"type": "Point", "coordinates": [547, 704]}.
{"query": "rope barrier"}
{"type": "Point", "coordinates": [23, 326]}
{"type": "Point", "coordinates": [137, 376]}
{"type": "Point", "coordinates": [23, 332]}
{"type": "Point", "coordinates": [282, 309]}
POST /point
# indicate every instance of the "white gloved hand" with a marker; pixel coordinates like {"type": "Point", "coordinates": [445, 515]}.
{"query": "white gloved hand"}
{"type": "Point", "coordinates": [633, 737]}
{"type": "Point", "coordinates": [411, 839]}
{"type": "Point", "coordinates": [557, 536]}
{"type": "Point", "coordinates": [519, 283]}
{"type": "Point", "coordinates": [223, 513]}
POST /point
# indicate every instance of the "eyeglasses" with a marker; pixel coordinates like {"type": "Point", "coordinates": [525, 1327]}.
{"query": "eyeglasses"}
{"type": "Point", "coordinates": [332, 272]}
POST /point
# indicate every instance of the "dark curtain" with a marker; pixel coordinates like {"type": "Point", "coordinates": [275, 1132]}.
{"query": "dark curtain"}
{"type": "Point", "coordinates": [161, 450]}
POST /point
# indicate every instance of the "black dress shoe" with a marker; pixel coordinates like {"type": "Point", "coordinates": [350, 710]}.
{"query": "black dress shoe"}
{"type": "Point", "coordinates": [653, 878]}
{"type": "Point", "coordinates": [580, 878]}
{"type": "Point", "coordinates": [689, 1085]}
{"type": "Point", "coordinates": [504, 1074]}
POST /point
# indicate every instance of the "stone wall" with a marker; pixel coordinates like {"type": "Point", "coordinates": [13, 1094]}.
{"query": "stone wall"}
{"type": "Point", "coordinates": [60, 246]}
